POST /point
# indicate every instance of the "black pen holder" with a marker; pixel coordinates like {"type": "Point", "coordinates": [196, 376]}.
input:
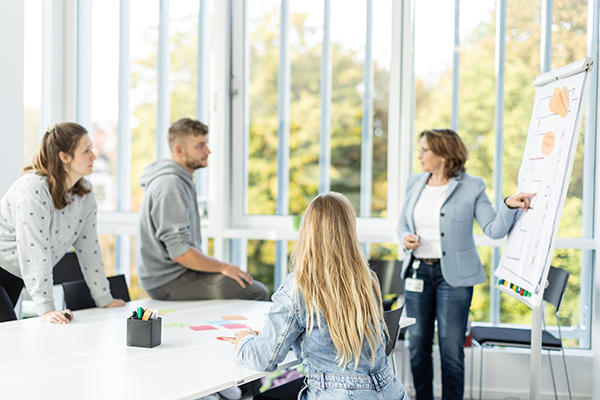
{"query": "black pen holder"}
{"type": "Point", "coordinates": [144, 333]}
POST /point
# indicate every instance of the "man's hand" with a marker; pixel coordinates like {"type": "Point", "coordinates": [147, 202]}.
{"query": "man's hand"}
{"type": "Point", "coordinates": [194, 259]}
{"type": "Point", "coordinates": [232, 271]}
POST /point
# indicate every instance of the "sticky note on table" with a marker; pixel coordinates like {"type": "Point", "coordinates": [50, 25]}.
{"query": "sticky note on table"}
{"type": "Point", "coordinates": [176, 325]}
{"type": "Point", "coordinates": [164, 311]}
{"type": "Point", "coordinates": [233, 317]}
{"type": "Point", "coordinates": [235, 326]}
{"type": "Point", "coordinates": [217, 322]}
{"type": "Point", "coordinates": [203, 328]}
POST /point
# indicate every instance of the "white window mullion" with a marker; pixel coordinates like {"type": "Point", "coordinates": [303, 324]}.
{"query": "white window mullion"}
{"type": "Point", "coordinates": [202, 91]}
{"type": "Point", "coordinates": [52, 65]}
{"type": "Point", "coordinates": [283, 137]}
{"type": "Point", "coordinates": [455, 68]}
{"type": "Point", "coordinates": [84, 65]}
{"type": "Point", "coordinates": [589, 172]}
{"type": "Point", "coordinates": [325, 128]}
{"type": "Point", "coordinates": [123, 242]}
{"type": "Point", "coordinates": [163, 112]}
{"type": "Point", "coordinates": [366, 157]}
{"type": "Point", "coordinates": [499, 143]}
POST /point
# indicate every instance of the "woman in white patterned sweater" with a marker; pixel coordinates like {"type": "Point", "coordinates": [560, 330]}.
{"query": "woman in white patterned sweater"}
{"type": "Point", "coordinates": [50, 208]}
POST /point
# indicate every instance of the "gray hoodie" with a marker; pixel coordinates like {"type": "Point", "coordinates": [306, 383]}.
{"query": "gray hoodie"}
{"type": "Point", "coordinates": [169, 222]}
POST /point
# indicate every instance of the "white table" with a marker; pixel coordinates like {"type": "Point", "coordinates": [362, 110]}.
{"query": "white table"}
{"type": "Point", "coordinates": [89, 358]}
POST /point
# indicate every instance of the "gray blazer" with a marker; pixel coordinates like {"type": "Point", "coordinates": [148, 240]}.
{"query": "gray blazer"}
{"type": "Point", "coordinates": [465, 200]}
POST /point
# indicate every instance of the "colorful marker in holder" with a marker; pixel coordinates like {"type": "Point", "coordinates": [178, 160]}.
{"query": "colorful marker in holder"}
{"type": "Point", "coordinates": [518, 290]}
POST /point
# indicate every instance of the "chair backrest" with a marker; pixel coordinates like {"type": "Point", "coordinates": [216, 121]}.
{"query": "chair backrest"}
{"type": "Point", "coordinates": [118, 287]}
{"type": "Point", "coordinates": [392, 321]}
{"type": "Point", "coordinates": [78, 297]}
{"type": "Point", "coordinates": [67, 269]}
{"type": "Point", "coordinates": [557, 284]}
{"type": "Point", "coordinates": [388, 273]}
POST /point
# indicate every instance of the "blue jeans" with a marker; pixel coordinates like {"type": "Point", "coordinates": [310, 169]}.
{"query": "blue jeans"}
{"type": "Point", "coordinates": [450, 306]}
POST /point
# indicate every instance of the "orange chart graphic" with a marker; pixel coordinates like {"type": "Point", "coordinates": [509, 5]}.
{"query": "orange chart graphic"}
{"type": "Point", "coordinates": [547, 143]}
{"type": "Point", "coordinates": [559, 102]}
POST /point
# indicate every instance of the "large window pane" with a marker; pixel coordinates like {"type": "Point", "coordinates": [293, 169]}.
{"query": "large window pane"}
{"type": "Point", "coordinates": [569, 44]}
{"type": "Point", "coordinates": [32, 84]}
{"type": "Point", "coordinates": [477, 97]}
{"type": "Point", "coordinates": [382, 53]}
{"type": "Point", "coordinates": [264, 18]}
{"type": "Point", "coordinates": [522, 67]}
{"type": "Point", "coordinates": [349, 41]}
{"type": "Point", "coordinates": [348, 58]}
{"type": "Point", "coordinates": [480, 304]}
{"type": "Point", "coordinates": [144, 49]}
{"type": "Point", "coordinates": [105, 101]}
{"type": "Point", "coordinates": [433, 57]}
{"type": "Point", "coordinates": [384, 251]}
{"type": "Point", "coordinates": [261, 261]}
{"type": "Point", "coordinates": [135, 287]}
{"type": "Point", "coordinates": [184, 58]}
{"type": "Point", "coordinates": [306, 35]}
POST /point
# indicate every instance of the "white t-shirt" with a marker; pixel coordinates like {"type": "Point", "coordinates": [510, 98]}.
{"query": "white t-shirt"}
{"type": "Point", "coordinates": [426, 216]}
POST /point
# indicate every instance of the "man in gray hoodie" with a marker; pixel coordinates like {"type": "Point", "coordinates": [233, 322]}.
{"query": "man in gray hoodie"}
{"type": "Point", "coordinates": [169, 261]}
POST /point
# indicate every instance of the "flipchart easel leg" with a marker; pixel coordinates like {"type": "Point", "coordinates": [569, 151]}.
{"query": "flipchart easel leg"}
{"type": "Point", "coordinates": [536, 353]}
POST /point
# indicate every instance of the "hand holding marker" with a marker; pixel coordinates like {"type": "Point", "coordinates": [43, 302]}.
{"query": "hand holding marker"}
{"type": "Point", "coordinates": [230, 339]}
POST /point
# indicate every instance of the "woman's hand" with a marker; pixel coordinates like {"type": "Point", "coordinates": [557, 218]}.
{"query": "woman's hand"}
{"type": "Point", "coordinates": [519, 200]}
{"type": "Point", "coordinates": [411, 242]}
{"type": "Point", "coordinates": [58, 317]}
{"type": "Point", "coordinates": [240, 335]}
{"type": "Point", "coordinates": [115, 303]}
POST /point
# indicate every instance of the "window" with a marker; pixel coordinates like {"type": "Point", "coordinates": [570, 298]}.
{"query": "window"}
{"type": "Point", "coordinates": [150, 71]}
{"type": "Point", "coordinates": [310, 114]}
{"type": "Point", "coordinates": [32, 93]}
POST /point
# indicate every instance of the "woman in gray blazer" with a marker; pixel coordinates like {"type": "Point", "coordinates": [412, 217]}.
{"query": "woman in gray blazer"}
{"type": "Point", "coordinates": [442, 264]}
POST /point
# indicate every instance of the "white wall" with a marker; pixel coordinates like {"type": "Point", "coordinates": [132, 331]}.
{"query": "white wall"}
{"type": "Point", "coordinates": [11, 92]}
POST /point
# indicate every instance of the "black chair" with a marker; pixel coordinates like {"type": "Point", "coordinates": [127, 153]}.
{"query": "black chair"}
{"type": "Point", "coordinates": [392, 321]}
{"type": "Point", "coordinates": [67, 270]}
{"type": "Point", "coordinates": [488, 336]}
{"type": "Point", "coordinates": [388, 273]}
{"type": "Point", "coordinates": [392, 284]}
{"type": "Point", "coordinates": [78, 297]}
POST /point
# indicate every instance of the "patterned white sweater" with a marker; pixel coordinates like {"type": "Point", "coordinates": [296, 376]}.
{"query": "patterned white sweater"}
{"type": "Point", "coordinates": [35, 235]}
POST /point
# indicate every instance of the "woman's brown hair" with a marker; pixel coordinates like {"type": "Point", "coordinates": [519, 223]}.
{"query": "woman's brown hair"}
{"type": "Point", "coordinates": [63, 137]}
{"type": "Point", "coordinates": [447, 144]}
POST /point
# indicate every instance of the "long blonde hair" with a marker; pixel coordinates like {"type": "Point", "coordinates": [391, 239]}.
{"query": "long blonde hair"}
{"type": "Point", "coordinates": [333, 275]}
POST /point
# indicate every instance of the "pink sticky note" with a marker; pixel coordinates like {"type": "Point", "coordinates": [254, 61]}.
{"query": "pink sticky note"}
{"type": "Point", "coordinates": [235, 326]}
{"type": "Point", "coordinates": [203, 328]}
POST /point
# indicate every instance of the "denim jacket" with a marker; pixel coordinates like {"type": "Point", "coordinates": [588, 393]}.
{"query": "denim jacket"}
{"type": "Point", "coordinates": [285, 328]}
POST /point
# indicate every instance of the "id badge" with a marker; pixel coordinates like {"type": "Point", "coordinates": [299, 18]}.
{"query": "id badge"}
{"type": "Point", "coordinates": [413, 285]}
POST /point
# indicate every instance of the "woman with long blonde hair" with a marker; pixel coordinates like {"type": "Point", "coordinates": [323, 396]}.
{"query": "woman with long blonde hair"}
{"type": "Point", "coordinates": [329, 311]}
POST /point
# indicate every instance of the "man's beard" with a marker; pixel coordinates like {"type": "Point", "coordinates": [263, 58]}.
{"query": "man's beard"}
{"type": "Point", "coordinates": [194, 164]}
